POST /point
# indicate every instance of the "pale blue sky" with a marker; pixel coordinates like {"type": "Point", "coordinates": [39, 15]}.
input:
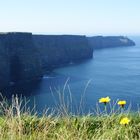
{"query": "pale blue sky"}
{"type": "Point", "coordinates": [90, 17]}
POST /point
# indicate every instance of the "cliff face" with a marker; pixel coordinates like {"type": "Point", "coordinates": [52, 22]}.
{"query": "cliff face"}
{"type": "Point", "coordinates": [99, 42]}
{"type": "Point", "coordinates": [63, 49]}
{"type": "Point", "coordinates": [4, 63]}
{"type": "Point", "coordinates": [24, 57]}
{"type": "Point", "coordinates": [19, 59]}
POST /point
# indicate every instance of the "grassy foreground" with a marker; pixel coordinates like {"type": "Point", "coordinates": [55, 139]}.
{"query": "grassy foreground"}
{"type": "Point", "coordinates": [16, 124]}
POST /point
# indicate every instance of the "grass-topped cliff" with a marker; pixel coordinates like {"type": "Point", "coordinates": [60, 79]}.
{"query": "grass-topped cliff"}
{"type": "Point", "coordinates": [18, 122]}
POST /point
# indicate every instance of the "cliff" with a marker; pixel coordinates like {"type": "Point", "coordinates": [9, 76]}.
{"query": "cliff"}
{"type": "Point", "coordinates": [4, 63]}
{"type": "Point", "coordinates": [25, 57]}
{"type": "Point", "coordinates": [57, 50]}
{"type": "Point", "coordinates": [19, 59]}
{"type": "Point", "coordinates": [99, 42]}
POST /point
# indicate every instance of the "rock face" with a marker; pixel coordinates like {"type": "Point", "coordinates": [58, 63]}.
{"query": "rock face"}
{"type": "Point", "coordinates": [4, 63]}
{"type": "Point", "coordinates": [19, 59]}
{"type": "Point", "coordinates": [64, 49]}
{"type": "Point", "coordinates": [100, 42]}
{"type": "Point", "coordinates": [24, 57]}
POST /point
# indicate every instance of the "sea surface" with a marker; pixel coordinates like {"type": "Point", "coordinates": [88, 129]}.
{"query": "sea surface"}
{"type": "Point", "coordinates": [113, 72]}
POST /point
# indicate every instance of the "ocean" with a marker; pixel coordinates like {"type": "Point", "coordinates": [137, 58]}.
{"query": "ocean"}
{"type": "Point", "coordinates": [113, 72]}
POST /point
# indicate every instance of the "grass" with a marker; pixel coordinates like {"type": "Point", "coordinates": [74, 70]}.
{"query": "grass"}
{"type": "Point", "coordinates": [17, 122]}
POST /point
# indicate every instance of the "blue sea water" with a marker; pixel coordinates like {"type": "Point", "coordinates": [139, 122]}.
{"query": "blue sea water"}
{"type": "Point", "coordinates": [113, 72]}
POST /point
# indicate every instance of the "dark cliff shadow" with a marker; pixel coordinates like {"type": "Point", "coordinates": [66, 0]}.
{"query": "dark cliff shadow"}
{"type": "Point", "coordinates": [15, 69]}
{"type": "Point", "coordinates": [24, 89]}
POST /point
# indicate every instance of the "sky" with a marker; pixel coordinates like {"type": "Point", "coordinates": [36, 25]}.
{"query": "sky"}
{"type": "Point", "coordinates": [88, 17]}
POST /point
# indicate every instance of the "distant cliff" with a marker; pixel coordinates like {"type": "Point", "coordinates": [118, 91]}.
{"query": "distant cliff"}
{"type": "Point", "coordinates": [57, 50]}
{"type": "Point", "coordinates": [99, 42]}
{"type": "Point", "coordinates": [25, 57]}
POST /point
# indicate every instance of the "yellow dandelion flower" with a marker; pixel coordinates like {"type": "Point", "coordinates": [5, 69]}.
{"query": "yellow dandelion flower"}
{"type": "Point", "coordinates": [121, 103]}
{"type": "Point", "coordinates": [104, 100]}
{"type": "Point", "coordinates": [124, 121]}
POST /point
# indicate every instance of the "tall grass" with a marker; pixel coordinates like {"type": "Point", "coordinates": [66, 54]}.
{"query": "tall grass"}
{"type": "Point", "coordinates": [18, 122]}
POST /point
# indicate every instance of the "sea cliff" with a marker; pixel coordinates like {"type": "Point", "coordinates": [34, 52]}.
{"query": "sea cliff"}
{"type": "Point", "coordinates": [25, 57]}
{"type": "Point", "coordinates": [19, 59]}
{"type": "Point", "coordinates": [58, 50]}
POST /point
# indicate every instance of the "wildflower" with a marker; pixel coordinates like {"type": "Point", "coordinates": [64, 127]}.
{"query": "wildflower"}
{"type": "Point", "coordinates": [104, 100]}
{"type": "Point", "coordinates": [121, 103]}
{"type": "Point", "coordinates": [124, 121]}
